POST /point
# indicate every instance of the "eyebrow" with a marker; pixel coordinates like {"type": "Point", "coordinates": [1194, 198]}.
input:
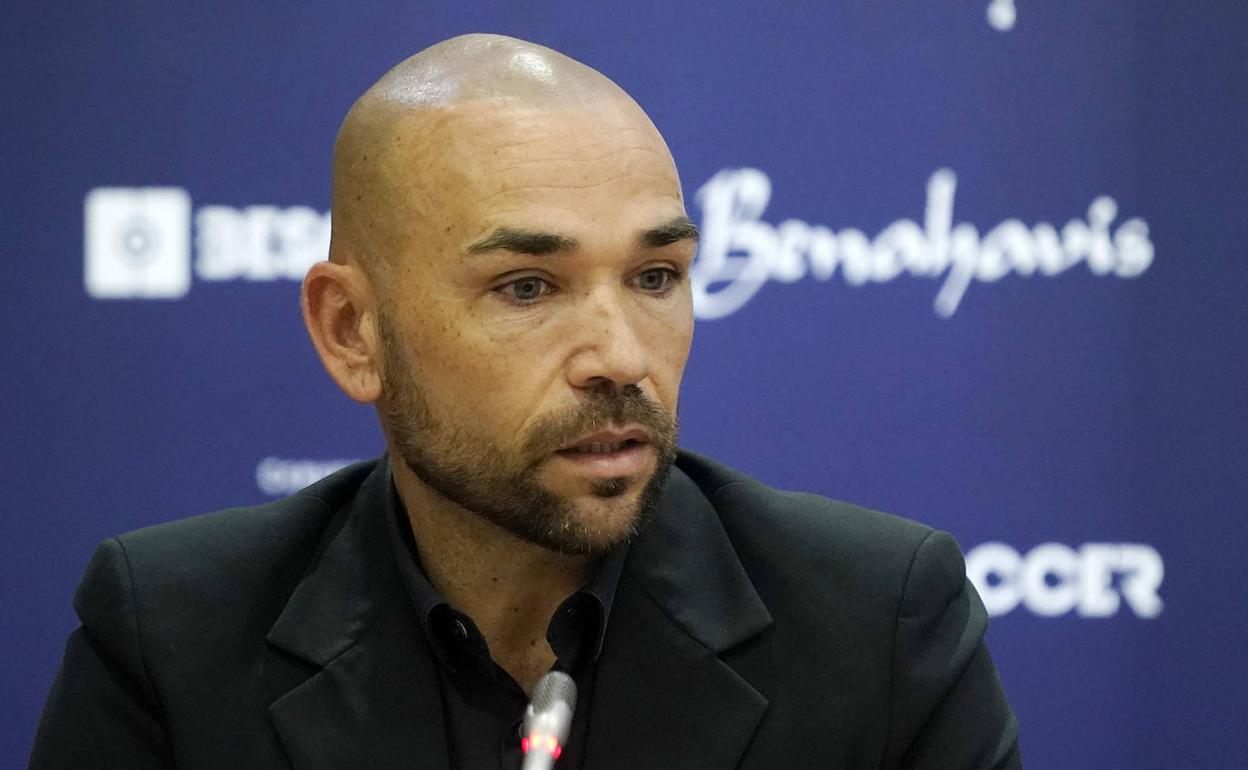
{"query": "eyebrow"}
{"type": "Point", "coordinates": [538, 244]}
{"type": "Point", "coordinates": [522, 242]}
{"type": "Point", "coordinates": [678, 229]}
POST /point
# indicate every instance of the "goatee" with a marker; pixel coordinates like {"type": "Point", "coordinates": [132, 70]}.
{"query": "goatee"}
{"type": "Point", "coordinates": [477, 475]}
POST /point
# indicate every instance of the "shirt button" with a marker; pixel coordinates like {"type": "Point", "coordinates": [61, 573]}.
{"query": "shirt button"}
{"type": "Point", "coordinates": [459, 630]}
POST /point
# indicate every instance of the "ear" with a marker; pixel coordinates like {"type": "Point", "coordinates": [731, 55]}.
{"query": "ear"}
{"type": "Point", "coordinates": [338, 309]}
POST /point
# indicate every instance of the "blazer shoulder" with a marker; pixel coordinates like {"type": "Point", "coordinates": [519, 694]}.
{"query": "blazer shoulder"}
{"type": "Point", "coordinates": [225, 560]}
{"type": "Point", "coordinates": [801, 535]}
{"type": "Point", "coordinates": [226, 538]}
{"type": "Point", "coordinates": [748, 504]}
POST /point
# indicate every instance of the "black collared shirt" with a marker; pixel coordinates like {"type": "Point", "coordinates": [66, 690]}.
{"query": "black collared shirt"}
{"type": "Point", "coordinates": [482, 704]}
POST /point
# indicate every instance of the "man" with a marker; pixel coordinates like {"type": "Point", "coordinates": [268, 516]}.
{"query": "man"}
{"type": "Point", "coordinates": [508, 285]}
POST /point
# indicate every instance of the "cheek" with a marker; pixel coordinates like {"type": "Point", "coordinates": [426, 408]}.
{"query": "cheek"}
{"type": "Point", "coordinates": [489, 377]}
{"type": "Point", "coordinates": [669, 335]}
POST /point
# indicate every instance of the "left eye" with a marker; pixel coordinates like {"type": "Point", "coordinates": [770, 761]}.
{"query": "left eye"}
{"type": "Point", "coordinates": [656, 279]}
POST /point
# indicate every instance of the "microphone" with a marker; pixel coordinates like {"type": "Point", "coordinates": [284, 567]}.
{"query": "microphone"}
{"type": "Point", "coordinates": [547, 720]}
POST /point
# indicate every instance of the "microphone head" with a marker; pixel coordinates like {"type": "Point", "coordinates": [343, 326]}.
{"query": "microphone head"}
{"type": "Point", "coordinates": [548, 719]}
{"type": "Point", "coordinates": [554, 687]}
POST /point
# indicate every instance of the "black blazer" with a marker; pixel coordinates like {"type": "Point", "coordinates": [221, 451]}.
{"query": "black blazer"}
{"type": "Point", "coordinates": [752, 628]}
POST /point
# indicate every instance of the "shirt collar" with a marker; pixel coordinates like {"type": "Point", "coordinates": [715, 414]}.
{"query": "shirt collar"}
{"type": "Point", "coordinates": [451, 631]}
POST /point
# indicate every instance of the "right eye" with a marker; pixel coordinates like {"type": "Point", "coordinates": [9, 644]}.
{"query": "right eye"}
{"type": "Point", "coordinates": [525, 290]}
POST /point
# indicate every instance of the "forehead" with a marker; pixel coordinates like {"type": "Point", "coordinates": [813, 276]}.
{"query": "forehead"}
{"type": "Point", "coordinates": [599, 166]}
{"type": "Point", "coordinates": [595, 135]}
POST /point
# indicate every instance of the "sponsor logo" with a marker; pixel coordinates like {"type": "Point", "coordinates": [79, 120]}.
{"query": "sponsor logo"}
{"type": "Point", "coordinates": [740, 252]}
{"type": "Point", "coordinates": [1096, 580]}
{"type": "Point", "coordinates": [278, 477]}
{"type": "Point", "coordinates": [258, 243]}
{"type": "Point", "coordinates": [139, 245]}
{"type": "Point", "coordinates": [138, 242]}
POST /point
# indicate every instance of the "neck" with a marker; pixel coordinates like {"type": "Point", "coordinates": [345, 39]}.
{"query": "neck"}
{"type": "Point", "coordinates": [508, 586]}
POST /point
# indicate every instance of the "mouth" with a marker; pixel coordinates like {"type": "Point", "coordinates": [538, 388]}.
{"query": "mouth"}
{"type": "Point", "coordinates": [600, 447]}
{"type": "Point", "coordinates": [610, 453]}
{"type": "Point", "coordinates": [603, 441]}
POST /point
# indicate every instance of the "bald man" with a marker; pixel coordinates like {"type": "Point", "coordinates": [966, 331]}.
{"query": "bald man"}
{"type": "Point", "coordinates": [508, 285]}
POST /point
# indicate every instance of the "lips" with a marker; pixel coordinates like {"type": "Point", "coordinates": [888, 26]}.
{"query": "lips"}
{"type": "Point", "coordinates": [598, 447]}
{"type": "Point", "coordinates": [604, 442]}
{"type": "Point", "coordinates": [610, 454]}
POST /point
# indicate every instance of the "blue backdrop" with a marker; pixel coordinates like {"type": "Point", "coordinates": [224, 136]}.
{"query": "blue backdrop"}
{"type": "Point", "coordinates": [979, 263]}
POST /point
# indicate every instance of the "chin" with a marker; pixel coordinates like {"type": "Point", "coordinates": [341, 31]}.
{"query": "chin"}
{"type": "Point", "coordinates": [599, 514]}
{"type": "Point", "coordinates": [609, 488]}
{"type": "Point", "coordinates": [608, 516]}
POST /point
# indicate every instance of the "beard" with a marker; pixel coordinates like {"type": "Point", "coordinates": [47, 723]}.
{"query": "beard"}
{"type": "Point", "coordinates": [502, 486]}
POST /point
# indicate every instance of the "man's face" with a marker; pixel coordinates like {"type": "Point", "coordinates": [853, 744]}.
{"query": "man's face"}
{"type": "Point", "coordinates": [539, 319]}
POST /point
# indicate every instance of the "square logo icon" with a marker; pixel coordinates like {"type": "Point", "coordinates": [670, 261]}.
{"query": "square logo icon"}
{"type": "Point", "coordinates": [138, 243]}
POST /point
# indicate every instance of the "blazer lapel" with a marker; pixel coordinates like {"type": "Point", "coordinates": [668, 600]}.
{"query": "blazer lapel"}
{"type": "Point", "coordinates": [663, 696]}
{"type": "Point", "coordinates": [376, 705]}
{"type": "Point", "coordinates": [375, 701]}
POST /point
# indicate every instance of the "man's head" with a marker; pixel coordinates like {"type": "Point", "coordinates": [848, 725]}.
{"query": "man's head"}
{"type": "Point", "coordinates": [507, 283]}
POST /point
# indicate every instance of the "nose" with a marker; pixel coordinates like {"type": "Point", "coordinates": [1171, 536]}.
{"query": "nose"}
{"type": "Point", "coordinates": [609, 349]}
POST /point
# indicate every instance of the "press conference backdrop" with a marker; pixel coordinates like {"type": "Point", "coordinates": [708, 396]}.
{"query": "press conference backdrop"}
{"type": "Point", "coordinates": [979, 263]}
